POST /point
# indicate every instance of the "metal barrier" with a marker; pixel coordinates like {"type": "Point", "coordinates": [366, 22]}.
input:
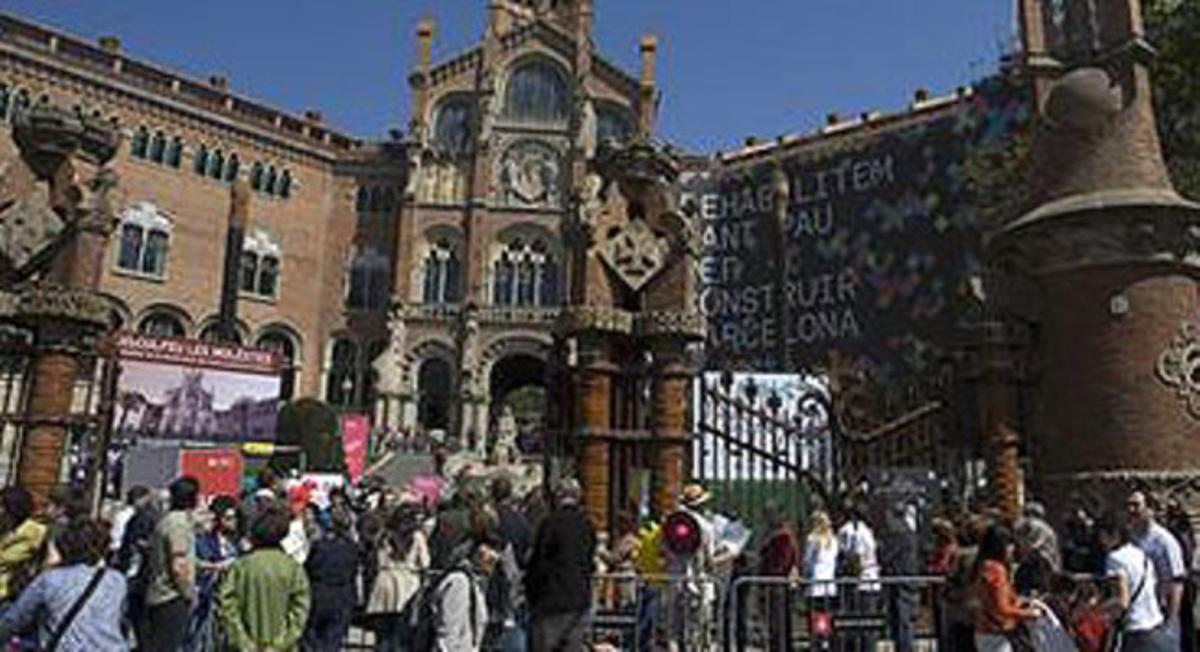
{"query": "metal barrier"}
{"type": "Point", "coordinates": [635, 613]}
{"type": "Point", "coordinates": [842, 615]}
{"type": "Point", "coordinates": [653, 612]}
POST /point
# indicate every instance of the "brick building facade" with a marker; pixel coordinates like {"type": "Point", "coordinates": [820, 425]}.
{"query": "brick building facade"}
{"type": "Point", "coordinates": [425, 266]}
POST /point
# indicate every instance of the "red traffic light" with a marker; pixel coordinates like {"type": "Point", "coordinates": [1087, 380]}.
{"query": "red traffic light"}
{"type": "Point", "coordinates": [681, 533]}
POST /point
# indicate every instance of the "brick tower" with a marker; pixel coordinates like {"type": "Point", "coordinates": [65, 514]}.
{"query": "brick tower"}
{"type": "Point", "coordinates": [1108, 258]}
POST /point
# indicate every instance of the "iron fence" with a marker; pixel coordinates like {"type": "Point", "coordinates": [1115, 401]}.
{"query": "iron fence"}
{"type": "Point", "coordinates": [710, 613]}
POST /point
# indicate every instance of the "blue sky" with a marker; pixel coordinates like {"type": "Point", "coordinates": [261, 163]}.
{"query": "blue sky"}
{"type": "Point", "coordinates": [728, 68]}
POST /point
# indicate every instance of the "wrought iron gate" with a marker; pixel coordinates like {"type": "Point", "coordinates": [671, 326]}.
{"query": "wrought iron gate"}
{"type": "Point", "coordinates": [751, 446]}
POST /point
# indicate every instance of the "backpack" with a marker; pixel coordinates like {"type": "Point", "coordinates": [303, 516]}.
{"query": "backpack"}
{"type": "Point", "coordinates": [424, 610]}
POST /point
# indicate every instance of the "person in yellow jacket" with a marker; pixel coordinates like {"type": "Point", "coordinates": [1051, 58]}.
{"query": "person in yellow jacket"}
{"type": "Point", "coordinates": [21, 539]}
{"type": "Point", "coordinates": [651, 566]}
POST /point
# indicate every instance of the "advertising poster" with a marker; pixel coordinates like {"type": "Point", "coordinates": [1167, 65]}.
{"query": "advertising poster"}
{"type": "Point", "coordinates": [878, 255]}
{"type": "Point", "coordinates": [218, 470]}
{"type": "Point", "coordinates": [178, 390]}
{"type": "Point", "coordinates": [356, 431]}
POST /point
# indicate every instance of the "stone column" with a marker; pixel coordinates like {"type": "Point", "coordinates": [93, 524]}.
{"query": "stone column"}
{"type": "Point", "coordinates": [65, 323]}
{"type": "Point", "coordinates": [997, 372]}
{"type": "Point", "coordinates": [594, 392]}
{"type": "Point", "coordinates": [669, 411]}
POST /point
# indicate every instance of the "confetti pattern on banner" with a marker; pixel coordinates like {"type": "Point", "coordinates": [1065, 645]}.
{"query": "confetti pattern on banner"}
{"type": "Point", "coordinates": [882, 242]}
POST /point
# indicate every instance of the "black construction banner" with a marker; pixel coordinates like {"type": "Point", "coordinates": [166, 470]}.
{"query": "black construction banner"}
{"type": "Point", "coordinates": [882, 242]}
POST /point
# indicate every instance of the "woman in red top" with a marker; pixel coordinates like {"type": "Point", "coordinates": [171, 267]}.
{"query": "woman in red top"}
{"type": "Point", "coordinates": [998, 612]}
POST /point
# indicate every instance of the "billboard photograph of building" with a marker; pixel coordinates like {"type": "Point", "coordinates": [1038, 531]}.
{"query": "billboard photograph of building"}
{"type": "Point", "coordinates": [174, 390]}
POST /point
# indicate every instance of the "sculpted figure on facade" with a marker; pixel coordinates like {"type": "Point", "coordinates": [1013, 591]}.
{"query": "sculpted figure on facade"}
{"type": "Point", "coordinates": [390, 365]}
{"type": "Point", "coordinates": [530, 175]}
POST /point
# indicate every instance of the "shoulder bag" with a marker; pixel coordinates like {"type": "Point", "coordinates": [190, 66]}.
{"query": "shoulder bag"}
{"type": "Point", "coordinates": [73, 612]}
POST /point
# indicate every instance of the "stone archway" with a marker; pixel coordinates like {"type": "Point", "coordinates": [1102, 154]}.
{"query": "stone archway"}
{"type": "Point", "coordinates": [518, 382]}
{"type": "Point", "coordinates": [435, 394]}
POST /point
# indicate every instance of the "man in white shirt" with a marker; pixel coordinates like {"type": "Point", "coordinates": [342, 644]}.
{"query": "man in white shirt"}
{"type": "Point", "coordinates": [1142, 621]}
{"type": "Point", "coordinates": [1165, 554]}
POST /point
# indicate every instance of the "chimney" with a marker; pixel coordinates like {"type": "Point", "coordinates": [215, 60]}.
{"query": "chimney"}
{"type": "Point", "coordinates": [219, 82]}
{"type": "Point", "coordinates": [649, 52]}
{"type": "Point", "coordinates": [314, 116]}
{"type": "Point", "coordinates": [425, 30]}
{"type": "Point", "coordinates": [921, 95]}
{"type": "Point", "coordinates": [647, 91]}
{"type": "Point", "coordinates": [832, 118]}
{"type": "Point", "coordinates": [500, 19]}
{"type": "Point", "coordinates": [110, 44]}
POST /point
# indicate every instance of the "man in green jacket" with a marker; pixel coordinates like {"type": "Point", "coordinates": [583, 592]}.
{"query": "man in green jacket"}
{"type": "Point", "coordinates": [263, 599]}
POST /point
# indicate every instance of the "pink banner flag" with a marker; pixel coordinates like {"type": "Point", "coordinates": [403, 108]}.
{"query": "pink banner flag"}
{"type": "Point", "coordinates": [356, 429]}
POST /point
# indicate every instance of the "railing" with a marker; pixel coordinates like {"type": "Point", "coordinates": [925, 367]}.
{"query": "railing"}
{"type": "Point", "coordinates": [632, 613]}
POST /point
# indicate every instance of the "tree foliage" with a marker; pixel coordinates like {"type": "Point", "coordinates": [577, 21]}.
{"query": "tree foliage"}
{"type": "Point", "coordinates": [1173, 27]}
{"type": "Point", "coordinates": [313, 426]}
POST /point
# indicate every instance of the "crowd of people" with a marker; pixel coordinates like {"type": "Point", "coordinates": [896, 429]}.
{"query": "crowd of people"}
{"type": "Point", "coordinates": [288, 566]}
{"type": "Point", "coordinates": [283, 568]}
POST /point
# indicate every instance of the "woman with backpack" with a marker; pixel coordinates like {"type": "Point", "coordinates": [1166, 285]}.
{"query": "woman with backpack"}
{"type": "Point", "coordinates": [75, 606]}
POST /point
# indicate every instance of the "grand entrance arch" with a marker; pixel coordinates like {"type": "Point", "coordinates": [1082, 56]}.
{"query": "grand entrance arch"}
{"type": "Point", "coordinates": [517, 385]}
{"type": "Point", "coordinates": [435, 389]}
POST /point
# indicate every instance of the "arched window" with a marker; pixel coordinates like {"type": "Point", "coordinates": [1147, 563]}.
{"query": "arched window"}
{"type": "Point", "coordinates": [256, 176]}
{"type": "Point", "coordinates": [389, 199]}
{"type": "Point", "coordinates": [612, 123]}
{"type": "Point", "coordinates": [272, 177]}
{"type": "Point", "coordinates": [370, 276]}
{"type": "Point", "coordinates": [268, 276]}
{"type": "Point", "coordinates": [537, 92]}
{"type": "Point", "coordinates": [525, 273]}
{"type": "Point", "coordinates": [231, 168]}
{"type": "Point", "coordinates": [376, 202]}
{"type": "Point", "coordinates": [158, 147]}
{"type": "Point", "coordinates": [362, 199]}
{"type": "Point", "coordinates": [175, 152]}
{"type": "Point", "coordinates": [161, 324]}
{"type": "Point", "coordinates": [503, 279]}
{"type": "Point", "coordinates": [249, 272]}
{"type": "Point", "coordinates": [139, 145]}
{"type": "Point", "coordinates": [442, 271]}
{"type": "Point", "coordinates": [212, 333]}
{"type": "Point", "coordinates": [200, 162]}
{"type": "Point", "coordinates": [145, 235]}
{"type": "Point", "coordinates": [261, 257]}
{"type": "Point", "coordinates": [285, 347]}
{"type": "Point", "coordinates": [454, 126]}
{"type": "Point", "coordinates": [216, 164]}
{"type": "Point", "coordinates": [5, 100]}
{"type": "Point", "coordinates": [285, 184]}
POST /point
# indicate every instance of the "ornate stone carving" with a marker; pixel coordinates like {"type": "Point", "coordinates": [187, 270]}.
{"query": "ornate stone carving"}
{"type": "Point", "coordinates": [589, 206]}
{"type": "Point", "coordinates": [575, 319]}
{"type": "Point", "coordinates": [27, 223]}
{"type": "Point", "coordinates": [635, 254]}
{"type": "Point", "coordinates": [390, 365]}
{"type": "Point", "coordinates": [35, 305]}
{"type": "Point", "coordinates": [1179, 367]}
{"type": "Point", "coordinates": [691, 325]}
{"type": "Point", "coordinates": [530, 174]}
